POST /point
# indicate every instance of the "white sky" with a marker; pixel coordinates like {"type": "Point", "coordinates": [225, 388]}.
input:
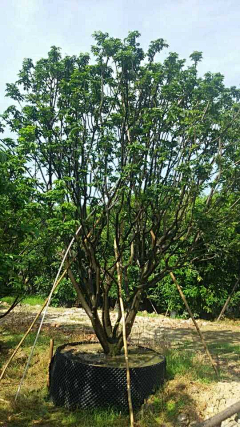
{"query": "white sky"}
{"type": "Point", "coordinates": [29, 27]}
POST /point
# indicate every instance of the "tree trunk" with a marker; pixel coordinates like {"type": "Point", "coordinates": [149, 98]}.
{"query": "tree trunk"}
{"type": "Point", "coordinates": [14, 304]}
{"type": "Point", "coordinates": [109, 336]}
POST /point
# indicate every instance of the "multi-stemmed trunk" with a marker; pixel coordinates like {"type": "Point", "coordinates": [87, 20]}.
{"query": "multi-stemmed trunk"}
{"type": "Point", "coordinates": [108, 332]}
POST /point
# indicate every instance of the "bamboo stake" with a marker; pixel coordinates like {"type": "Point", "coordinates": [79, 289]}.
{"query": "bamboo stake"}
{"type": "Point", "coordinates": [30, 327]}
{"type": "Point", "coordinates": [51, 345]}
{"type": "Point", "coordinates": [228, 300]}
{"type": "Point", "coordinates": [124, 337]}
{"type": "Point", "coordinates": [194, 321]}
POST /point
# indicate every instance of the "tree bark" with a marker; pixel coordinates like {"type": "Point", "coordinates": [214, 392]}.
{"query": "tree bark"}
{"type": "Point", "coordinates": [92, 314]}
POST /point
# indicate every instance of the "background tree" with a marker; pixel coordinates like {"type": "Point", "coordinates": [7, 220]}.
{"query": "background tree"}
{"type": "Point", "coordinates": [209, 277]}
{"type": "Point", "coordinates": [25, 250]}
{"type": "Point", "coordinates": [135, 143]}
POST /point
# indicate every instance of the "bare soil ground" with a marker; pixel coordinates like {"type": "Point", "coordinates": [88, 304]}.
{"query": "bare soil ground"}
{"type": "Point", "coordinates": [159, 332]}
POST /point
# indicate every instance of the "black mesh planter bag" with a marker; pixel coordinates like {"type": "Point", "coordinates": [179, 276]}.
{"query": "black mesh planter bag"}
{"type": "Point", "coordinates": [74, 383]}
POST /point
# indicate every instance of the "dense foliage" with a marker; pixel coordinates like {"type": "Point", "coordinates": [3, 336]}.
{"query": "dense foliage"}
{"type": "Point", "coordinates": [144, 155]}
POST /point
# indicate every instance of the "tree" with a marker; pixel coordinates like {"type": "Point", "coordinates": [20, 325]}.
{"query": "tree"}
{"type": "Point", "coordinates": [15, 223]}
{"type": "Point", "coordinates": [124, 146]}
{"type": "Point", "coordinates": [24, 243]}
{"type": "Point", "coordinates": [209, 277]}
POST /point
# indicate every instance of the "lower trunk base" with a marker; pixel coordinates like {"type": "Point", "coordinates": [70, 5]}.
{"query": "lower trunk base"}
{"type": "Point", "coordinates": [91, 353]}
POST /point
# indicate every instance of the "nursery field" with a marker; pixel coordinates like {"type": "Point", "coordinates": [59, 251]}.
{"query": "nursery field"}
{"type": "Point", "coordinates": [192, 391]}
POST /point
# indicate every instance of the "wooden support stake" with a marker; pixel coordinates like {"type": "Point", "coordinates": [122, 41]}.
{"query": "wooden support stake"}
{"type": "Point", "coordinates": [216, 420]}
{"type": "Point", "coordinates": [51, 346]}
{"type": "Point", "coordinates": [228, 300]}
{"type": "Point", "coordinates": [194, 321]}
{"type": "Point", "coordinates": [153, 306]}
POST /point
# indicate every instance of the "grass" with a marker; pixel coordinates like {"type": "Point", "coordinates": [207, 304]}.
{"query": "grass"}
{"type": "Point", "coordinates": [34, 409]}
{"type": "Point", "coordinates": [225, 348]}
{"type": "Point", "coordinates": [146, 314]}
{"type": "Point", "coordinates": [186, 369]}
{"type": "Point", "coordinates": [33, 300]}
{"type": "Point", "coordinates": [185, 362]}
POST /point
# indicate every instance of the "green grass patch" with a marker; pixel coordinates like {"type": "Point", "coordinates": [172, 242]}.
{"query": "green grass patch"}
{"type": "Point", "coordinates": [224, 348]}
{"type": "Point", "coordinates": [173, 407]}
{"type": "Point", "coordinates": [32, 300]}
{"type": "Point", "coordinates": [33, 409]}
{"type": "Point", "coordinates": [9, 300]}
{"type": "Point", "coordinates": [11, 340]}
{"type": "Point", "coordinates": [184, 362]}
{"type": "Point", "coordinates": [146, 314]}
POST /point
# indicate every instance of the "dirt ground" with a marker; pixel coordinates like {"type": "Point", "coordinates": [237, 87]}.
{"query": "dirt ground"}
{"type": "Point", "coordinates": [159, 331]}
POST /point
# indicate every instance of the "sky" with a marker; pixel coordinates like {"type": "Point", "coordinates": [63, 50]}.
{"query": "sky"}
{"type": "Point", "coordinates": [28, 28]}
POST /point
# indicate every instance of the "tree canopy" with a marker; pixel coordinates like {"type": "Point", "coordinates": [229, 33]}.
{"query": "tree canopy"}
{"type": "Point", "coordinates": [149, 149]}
